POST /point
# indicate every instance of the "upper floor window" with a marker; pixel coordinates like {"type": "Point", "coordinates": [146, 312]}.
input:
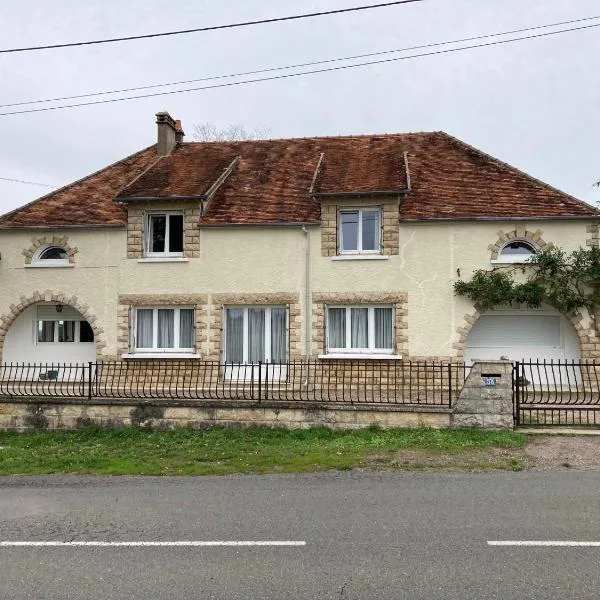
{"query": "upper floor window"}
{"type": "Point", "coordinates": [360, 329]}
{"type": "Point", "coordinates": [360, 230]}
{"type": "Point", "coordinates": [516, 252]}
{"type": "Point", "coordinates": [51, 256]}
{"type": "Point", "coordinates": [164, 234]}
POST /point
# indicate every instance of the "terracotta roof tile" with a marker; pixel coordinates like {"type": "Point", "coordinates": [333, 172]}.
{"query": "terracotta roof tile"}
{"type": "Point", "coordinates": [270, 182]}
{"type": "Point", "coordinates": [88, 201]}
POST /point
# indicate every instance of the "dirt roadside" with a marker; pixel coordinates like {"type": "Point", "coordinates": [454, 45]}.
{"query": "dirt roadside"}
{"type": "Point", "coordinates": [541, 453]}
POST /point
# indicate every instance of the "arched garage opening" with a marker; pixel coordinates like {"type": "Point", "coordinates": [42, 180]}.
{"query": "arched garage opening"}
{"type": "Point", "coordinates": [49, 332]}
{"type": "Point", "coordinates": [530, 334]}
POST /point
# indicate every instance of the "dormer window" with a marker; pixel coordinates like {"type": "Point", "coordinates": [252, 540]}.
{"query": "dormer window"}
{"type": "Point", "coordinates": [51, 256]}
{"type": "Point", "coordinates": [359, 231]}
{"type": "Point", "coordinates": [516, 252]}
{"type": "Point", "coordinates": [164, 234]}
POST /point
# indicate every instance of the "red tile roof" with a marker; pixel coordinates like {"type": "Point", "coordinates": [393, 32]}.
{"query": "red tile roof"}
{"type": "Point", "coordinates": [271, 179]}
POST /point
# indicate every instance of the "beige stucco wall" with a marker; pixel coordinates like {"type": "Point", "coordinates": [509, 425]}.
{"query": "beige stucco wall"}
{"type": "Point", "coordinates": [252, 260]}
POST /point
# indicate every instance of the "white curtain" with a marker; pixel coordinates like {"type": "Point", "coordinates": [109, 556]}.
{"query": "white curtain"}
{"type": "Point", "coordinates": [384, 328]}
{"type": "Point", "coordinates": [256, 335]}
{"type": "Point", "coordinates": [336, 328]}
{"type": "Point", "coordinates": [278, 335]}
{"type": "Point", "coordinates": [359, 321]}
{"type": "Point", "coordinates": [234, 340]}
{"type": "Point", "coordinates": [166, 328]}
{"type": "Point", "coordinates": [186, 328]}
{"type": "Point", "coordinates": [144, 328]}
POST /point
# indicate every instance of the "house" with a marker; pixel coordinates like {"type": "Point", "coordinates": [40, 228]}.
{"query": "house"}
{"type": "Point", "coordinates": [275, 250]}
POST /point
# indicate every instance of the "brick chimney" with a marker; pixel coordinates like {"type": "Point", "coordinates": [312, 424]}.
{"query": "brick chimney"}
{"type": "Point", "coordinates": [168, 133]}
{"type": "Point", "coordinates": [179, 133]}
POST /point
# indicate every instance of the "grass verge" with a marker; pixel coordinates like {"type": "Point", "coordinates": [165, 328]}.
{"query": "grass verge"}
{"type": "Point", "coordinates": [218, 451]}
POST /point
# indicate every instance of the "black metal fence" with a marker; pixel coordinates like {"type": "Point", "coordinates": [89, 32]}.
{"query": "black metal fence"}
{"type": "Point", "coordinates": [557, 392]}
{"type": "Point", "coordinates": [325, 381]}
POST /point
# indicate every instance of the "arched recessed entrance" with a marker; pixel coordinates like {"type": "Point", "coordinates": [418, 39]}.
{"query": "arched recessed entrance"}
{"type": "Point", "coordinates": [49, 332]}
{"type": "Point", "coordinates": [531, 334]}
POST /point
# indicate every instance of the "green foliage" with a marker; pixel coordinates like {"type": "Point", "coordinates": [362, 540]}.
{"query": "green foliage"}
{"type": "Point", "coordinates": [218, 450]}
{"type": "Point", "coordinates": [567, 281]}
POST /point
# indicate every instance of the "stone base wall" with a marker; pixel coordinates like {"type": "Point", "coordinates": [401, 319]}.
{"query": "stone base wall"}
{"type": "Point", "coordinates": [45, 416]}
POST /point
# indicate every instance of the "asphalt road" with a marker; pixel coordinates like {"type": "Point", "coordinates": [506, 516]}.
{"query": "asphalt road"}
{"type": "Point", "coordinates": [368, 536]}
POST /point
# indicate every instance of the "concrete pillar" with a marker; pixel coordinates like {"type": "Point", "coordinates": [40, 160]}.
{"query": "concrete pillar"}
{"type": "Point", "coordinates": [486, 399]}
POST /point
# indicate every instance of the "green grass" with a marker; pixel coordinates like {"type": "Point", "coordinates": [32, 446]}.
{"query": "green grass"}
{"type": "Point", "coordinates": [218, 450]}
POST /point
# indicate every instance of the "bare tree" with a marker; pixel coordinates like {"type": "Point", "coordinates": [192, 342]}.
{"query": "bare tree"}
{"type": "Point", "coordinates": [207, 132]}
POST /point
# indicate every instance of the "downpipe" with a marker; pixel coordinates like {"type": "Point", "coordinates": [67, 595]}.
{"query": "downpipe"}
{"type": "Point", "coordinates": [307, 303]}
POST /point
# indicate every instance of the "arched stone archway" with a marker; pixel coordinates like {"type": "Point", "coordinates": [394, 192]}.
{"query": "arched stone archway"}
{"type": "Point", "coordinates": [586, 337]}
{"type": "Point", "coordinates": [15, 310]}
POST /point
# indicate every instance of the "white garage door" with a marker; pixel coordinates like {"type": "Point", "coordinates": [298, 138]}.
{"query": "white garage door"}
{"type": "Point", "coordinates": [522, 334]}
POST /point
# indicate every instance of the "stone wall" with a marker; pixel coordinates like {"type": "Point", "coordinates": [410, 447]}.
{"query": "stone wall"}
{"type": "Point", "coordinates": [57, 415]}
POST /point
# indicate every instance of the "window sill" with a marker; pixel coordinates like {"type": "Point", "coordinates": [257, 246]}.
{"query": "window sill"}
{"type": "Point", "coordinates": [41, 265]}
{"type": "Point", "coordinates": [163, 259]}
{"type": "Point", "coordinates": [373, 356]}
{"type": "Point", "coordinates": [162, 355]}
{"type": "Point", "coordinates": [359, 257]}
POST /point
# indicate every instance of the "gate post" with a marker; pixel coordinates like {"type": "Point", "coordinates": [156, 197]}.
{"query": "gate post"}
{"type": "Point", "coordinates": [486, 399]}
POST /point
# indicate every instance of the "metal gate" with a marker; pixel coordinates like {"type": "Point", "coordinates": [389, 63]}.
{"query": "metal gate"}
{"type": "Point", "coordinates": [556, 393]}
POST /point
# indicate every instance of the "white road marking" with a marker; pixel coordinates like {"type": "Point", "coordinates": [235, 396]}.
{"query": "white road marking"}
{"type": "Point", "coordinates": [184, 543]}
{"type": "Point", "coordinates": [541, 543]}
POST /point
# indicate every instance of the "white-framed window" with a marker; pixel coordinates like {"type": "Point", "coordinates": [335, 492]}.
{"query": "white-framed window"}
{"type": "Point", "coordinates": [359, 230]}
{"type": "Point", "coordinates": [60, 332]}
{"type": "Point", "coordinates": [360, 329]}
{"type": "Point", "coordinates": [256, 334]}
{"type": "Point", "coordinates": [51, 256]}
{"type": "Point", "coordinates": [164, 329]}
{"type": "Point", "coordinates": [516, 251]}
{"type": "Point", "coordinates": [164, 234]}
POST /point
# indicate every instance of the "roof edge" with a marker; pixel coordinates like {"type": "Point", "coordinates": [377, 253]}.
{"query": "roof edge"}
{"type": "Point", "coordinates": [517, 170]}
{"type": "Point", "coordinates": [536, 218]}
{"type": "Point", "coordinates": [73, 183]}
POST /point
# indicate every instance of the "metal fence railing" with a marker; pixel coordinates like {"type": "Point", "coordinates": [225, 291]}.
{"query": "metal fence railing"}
{"type": "Point", "coordinates": [557, 392]}
{"type": "Point", "coordinates": [329, 381]}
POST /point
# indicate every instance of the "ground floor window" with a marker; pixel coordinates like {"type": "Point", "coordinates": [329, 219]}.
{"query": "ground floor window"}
{"type": "Point", "coordinates": [256, 333]}
{"type": "Point", "coordinates": [164, 329]}
{"type": "Point", "coordinates": [50, 331]}
{"type": "Point", "coordinates": [360, 329]}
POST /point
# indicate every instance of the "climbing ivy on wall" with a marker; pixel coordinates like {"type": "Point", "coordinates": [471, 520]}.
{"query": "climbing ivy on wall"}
{"type": "Point", "coordinates": [569, 281]}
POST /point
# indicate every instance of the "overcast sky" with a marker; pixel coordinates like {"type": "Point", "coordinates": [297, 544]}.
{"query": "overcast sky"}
{"type": "Point", "coordinates": [534, 104]}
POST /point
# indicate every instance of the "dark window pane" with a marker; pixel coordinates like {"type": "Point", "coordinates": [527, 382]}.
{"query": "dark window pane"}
{"type": "Point", "coordinates": [66, 331]}
{"type": "Point", "coordinates": [53, 253]}
{"type": "Point", "coordinates": [45, 331]}
{"type": "Point", "coordinates": [175, 233]}
{"type": "Point", "coordinates": [86, 333]}
{"type": "Point", "coordinates": [370, 230]}
{"type": "Point", "coordinates": [349, 230]}
{"type": "Point", "coordinates": [520, 248]}
{"type": "Point", "coordinates": [157, 233]}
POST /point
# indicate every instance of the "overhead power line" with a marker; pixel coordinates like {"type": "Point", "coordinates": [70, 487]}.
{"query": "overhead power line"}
{"type": "Point", "coordinates": [210, 28]}
{"type": "Point", "coordinates": [300, 65]}
{"type": "Point", "coordinates": [302, 73]}
{"type": "Point", "coordinates": [27, 182]}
